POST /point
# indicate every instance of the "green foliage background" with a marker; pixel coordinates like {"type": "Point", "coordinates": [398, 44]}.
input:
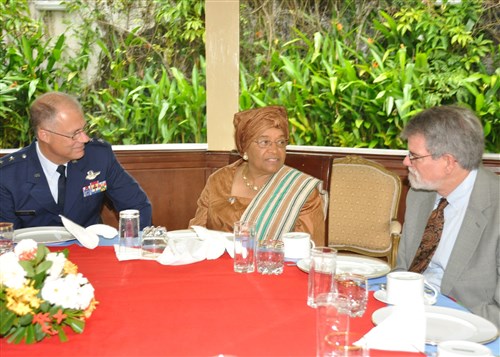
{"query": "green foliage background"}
{"type": "Point", "coordinates": [350, 72]}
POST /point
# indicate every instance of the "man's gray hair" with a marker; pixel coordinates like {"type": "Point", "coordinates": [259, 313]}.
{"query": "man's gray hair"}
{"type": "Point", "coordinates": [450, 129]}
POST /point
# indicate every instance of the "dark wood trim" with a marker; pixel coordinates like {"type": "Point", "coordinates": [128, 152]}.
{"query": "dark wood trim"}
{"type": "Point", "coordinates": [174, 179]}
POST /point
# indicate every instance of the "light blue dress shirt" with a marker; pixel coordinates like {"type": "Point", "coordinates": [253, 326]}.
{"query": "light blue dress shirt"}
{"type": "Point", "coordinates": [454, 214]}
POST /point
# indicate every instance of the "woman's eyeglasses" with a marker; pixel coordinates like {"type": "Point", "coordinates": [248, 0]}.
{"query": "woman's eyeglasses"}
{"type": "Point", "coordinates": [265, 143]}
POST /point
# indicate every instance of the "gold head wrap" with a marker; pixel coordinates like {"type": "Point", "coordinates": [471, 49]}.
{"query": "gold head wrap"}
{"type": "Point", "coordinates": [251, 123]}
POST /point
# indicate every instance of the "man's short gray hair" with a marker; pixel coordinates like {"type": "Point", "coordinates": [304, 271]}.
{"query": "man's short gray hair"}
{"type": "Point", "coordinates": [450, 129]}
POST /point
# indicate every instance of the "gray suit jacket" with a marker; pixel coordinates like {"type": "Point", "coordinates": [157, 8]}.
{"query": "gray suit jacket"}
{"type": "Point", "coordinates": [472, 276]}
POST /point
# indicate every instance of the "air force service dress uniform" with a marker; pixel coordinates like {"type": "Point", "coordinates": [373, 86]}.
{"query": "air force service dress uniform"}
{"type": "Point", "coordinates": [26, 200]}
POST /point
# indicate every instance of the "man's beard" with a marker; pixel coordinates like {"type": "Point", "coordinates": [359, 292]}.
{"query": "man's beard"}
{"type": "Point", "coordinates": [417, 183]}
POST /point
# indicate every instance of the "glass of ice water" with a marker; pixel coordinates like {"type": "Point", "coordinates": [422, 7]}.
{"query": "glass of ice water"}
{"type": "Point", "coordinates": [323, 263]}
{"type": "Point", "coordinates": [353, 290]}
{"type": "Point", "coordinates": [154, 241]}
{"type": "Point", "coordinates": [244, 247]}
{"type": "Point", "coordinates": [270, 256]}
{"type": "Point", "coordinates": [6, 237]}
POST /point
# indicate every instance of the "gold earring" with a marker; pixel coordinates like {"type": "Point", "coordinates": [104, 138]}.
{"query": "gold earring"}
{"type": "Point", "coordinates": [245, 156]}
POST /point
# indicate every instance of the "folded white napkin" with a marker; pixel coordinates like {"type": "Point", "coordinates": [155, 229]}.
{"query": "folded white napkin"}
{"type": "Point", "coordinates": [88, 239]}
{"type": "Point", "coordinates": [192, 248]}
{"type": "Point", "coordinates": [103, 230]}
{"type": "Point", "coordinates": [403, 330]}
{"type": "Point", "coordinates": [186, 247]}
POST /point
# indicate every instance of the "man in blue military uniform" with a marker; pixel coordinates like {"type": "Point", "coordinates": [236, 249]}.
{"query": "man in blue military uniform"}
{"type": "Point", "coordinates": [64, 172]}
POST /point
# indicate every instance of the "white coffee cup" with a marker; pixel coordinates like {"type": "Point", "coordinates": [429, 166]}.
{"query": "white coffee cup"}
{"type": "Point", "coordinates": [297, 245]}
{"type": "Point", "coordinates": [404, 287]}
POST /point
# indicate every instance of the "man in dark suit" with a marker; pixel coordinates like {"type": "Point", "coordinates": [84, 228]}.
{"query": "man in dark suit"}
{"type": "Point", "coordinates": [64, 172]}
{"type": "Point", "coordinates": [446, 146]}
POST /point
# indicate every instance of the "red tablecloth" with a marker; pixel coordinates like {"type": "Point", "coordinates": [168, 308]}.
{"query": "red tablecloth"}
{"type": "Point", "coordinates": [202, 309]}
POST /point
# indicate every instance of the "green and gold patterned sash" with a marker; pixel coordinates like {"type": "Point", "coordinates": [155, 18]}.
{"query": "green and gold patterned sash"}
{"type": "Point", "coordinates": [277, 206]}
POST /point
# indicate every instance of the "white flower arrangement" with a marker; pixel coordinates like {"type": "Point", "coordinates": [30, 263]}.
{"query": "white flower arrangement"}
{"type": "Point", "coordinates": [41, 293]}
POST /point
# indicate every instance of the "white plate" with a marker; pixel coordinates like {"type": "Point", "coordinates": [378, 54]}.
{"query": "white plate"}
{"type": "Point", "coordinates": [88, 239]}
{"type": "Point", "coordinates": [182, 233]}
{"type": "Point", "coordinates": [190, 233]}
{"type": "Point", "coordinates": [380, 295]}
{"type": "Point", "coordinates": [356, 264]}
{"type": "Point", "coordinates": [444, 324]}
{"type": "Point", "coordinates": [43, 234]}
{"type": "Point", "coordinates": [228, 236]}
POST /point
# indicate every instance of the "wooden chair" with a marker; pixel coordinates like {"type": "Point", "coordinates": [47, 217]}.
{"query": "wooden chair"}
{"type": "Point", "coordinates": [362, 214]}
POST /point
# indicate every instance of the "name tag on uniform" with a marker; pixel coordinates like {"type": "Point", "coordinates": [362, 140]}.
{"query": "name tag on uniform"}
{"type": "Point", "coordinates": [94, 187]}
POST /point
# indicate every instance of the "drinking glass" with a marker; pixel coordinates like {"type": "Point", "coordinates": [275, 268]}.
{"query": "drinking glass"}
{"type": "Point", "coordinates": [154, 241]}
{"type": "Point", "coordinates": [333, 330]}
{"type": "Point", "coordinates": [321, 273]}
{"type": "Point", "coordinates": [353, 290]}
{"type": "Point", "coordinates": [270, 256]}
{"type": "Point", "coordinates": [6, 237]}
{"type": "Point", "coordinates": [129, 230]}
{"type": "Point", "coordinates": [244, 247]}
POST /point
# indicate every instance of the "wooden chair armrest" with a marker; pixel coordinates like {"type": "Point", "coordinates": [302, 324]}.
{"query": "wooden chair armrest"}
{"type": "Point", "coordinates": [395, 237]}
{"type": "Point", "coordinates": [395, 227]}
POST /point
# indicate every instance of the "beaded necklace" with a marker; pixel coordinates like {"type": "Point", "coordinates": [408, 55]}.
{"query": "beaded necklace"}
{"type": "Point", "coordinates": [251, 186]}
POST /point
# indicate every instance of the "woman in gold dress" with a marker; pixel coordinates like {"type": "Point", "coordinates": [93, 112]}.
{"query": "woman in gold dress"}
{"type": "Point", "coordinates": [259, 187]}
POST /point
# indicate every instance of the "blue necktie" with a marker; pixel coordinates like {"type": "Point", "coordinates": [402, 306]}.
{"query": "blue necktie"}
{"type": "Point", "coordinates": [61, 186]}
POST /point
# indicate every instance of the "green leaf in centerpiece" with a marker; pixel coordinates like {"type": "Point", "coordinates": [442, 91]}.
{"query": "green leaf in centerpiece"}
{"type": "Point", "coordinates": [39, 334]}
{"type": "Point", "coordinates": [76, 325]}
{"type": "Point", "coordinates": [30, 334]}
{"type": "Point", "coordinates": [7, 318]}
{"type": "Point", "coordinates": [17, 336]}
{"type": "Point", "coordinates": [43, 267]}
{"type": "Point", "coordinates": [60, 333]}
{"type": "Point", "coordinates": [44, 306]}
{"type": "Point", "coordinates": [26, 320]}
{"type": "Point", "coordinates": [41, 252]}
{"type": "Point", "coordinates": [28, 268]}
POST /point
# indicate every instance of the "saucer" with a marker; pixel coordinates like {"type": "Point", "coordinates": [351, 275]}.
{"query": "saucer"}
{"type": "Point", "coordinates": [380, 295]}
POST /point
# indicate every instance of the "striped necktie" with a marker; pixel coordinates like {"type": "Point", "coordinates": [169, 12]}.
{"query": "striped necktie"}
{"type": "Point", "coordinates": [430, 239]}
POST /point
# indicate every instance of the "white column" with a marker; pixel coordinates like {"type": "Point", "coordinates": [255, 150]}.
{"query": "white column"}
{"type": "Point", "coordinates": [222, 60]}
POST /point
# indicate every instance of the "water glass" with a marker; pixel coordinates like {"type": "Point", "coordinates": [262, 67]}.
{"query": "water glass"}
{"type": "Point", "coordinates": [321, 273]}
{"type": "Point", "coordinates": [270, 256]}
{"type": "Point", "coordinates": [333, 332]}
{"type": "Point", "coordinates": [353, 289]}
{"type": "Point", "coordinates": [129, 230]}
{"type": "Point", "coordinates": [6, 237]}
{"type": "Point", "coordinates": [244, 247]}
{"type": "Point", "coordinates": [154, 241]}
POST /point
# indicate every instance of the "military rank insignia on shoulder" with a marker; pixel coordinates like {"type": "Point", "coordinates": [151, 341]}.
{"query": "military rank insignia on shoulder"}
{"type": "Point", "coordinates": [12, 159]}
{"type": "Point", "coordinates": [98, 142]}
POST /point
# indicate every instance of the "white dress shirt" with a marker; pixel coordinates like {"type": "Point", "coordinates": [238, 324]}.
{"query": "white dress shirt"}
{"type": "Point", "coordinates": [50, 171]}
{"type": "Point", "coordinates": [454, 214]}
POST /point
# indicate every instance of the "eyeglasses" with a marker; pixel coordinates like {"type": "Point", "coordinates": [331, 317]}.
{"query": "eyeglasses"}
{"type": "Point", "coordinates": [265, 143]}
{"type": "Point", "coordinates": [75, 135]}
{"type": "Point", "coordinates": [412, 157]}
